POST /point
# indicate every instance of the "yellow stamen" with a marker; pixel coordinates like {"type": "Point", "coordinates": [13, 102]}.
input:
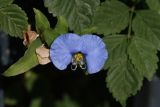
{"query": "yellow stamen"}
{"type": "Point", "coordinates": [78, 57]}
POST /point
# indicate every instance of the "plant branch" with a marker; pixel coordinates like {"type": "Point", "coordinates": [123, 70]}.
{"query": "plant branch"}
{"type": "Point", "coordinates": [130, 22]}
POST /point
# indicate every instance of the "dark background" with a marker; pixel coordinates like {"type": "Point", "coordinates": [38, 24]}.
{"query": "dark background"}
{"type": "Point", "coordinates": [51, 85]}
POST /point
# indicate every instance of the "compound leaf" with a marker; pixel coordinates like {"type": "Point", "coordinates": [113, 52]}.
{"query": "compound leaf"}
{"type": "Point", "coordinates": [123, 80]}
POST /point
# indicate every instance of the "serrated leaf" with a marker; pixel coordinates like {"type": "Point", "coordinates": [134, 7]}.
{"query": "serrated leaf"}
{"type": "Point", "coordinates": [112, 42]}
{"type": "Point", "coordinates": [144, 56]}
{"type": "Point", "coordinates": [78, 13]}
{"type": "Point", "coordinates": [146, 25]}
{"type": "Point", "coordinates": [111, 17]}
{"type": "Point", "coordinates": [154, 5]}
{"type": "Point", "coordinates": [13, 20]}
{"type": "Point", "coordinates": [4, 3]}
{"type": "Point", "coordinates": [28, 61]}
{"type": "Point", "coordinates": [51, 34]}
{"type": "Point", "coordinates": [123, 80]}
{"type": "Point", "coordinates": [42, 22]}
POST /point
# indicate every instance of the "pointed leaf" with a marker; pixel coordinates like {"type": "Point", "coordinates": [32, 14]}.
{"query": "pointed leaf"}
{"type": "Point", "coordinates": [144, 57]}
{"type": "Point", "coordinates": [78, 13]}
{"type": "Point", "coordinates": [13, 20]}
{"type": "Point", "coordinates": [146, 25]}
{"type": "Point", "coordinates": [4, 3]}
{"type": "Point", "coordinates": [42, 22]}
{"type": "Point", "coordinates": [123, 80]}
{"type": "Point", "coordinates": [28, 61]}
{"type": "Point", "coordinates": [111, 17]}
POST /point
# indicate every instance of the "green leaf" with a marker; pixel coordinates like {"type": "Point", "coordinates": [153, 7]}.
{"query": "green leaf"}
{"type": "Point", "coordinates": [144, 56]}
{"type": "Point", "coordinates": [146, 25]}
{"type": "Point", "coordinates": [78, 13]}
{"type": "Point", "coordinates": [111, 17]}
{"type": "Point", "coordinates": [28, 61]}
{"type": "Point", "coordinates": [13, 20]}
{"type": "Point", "coordinates": [4, 3]}
{"type": "Point", "coordinates": [112, 42]}
{"type": "Point", "coordinates": [42, 22]}
{"type": "Point", "coordinates": [154, 5]}
{"type": "Point", "coordinates": [123, 80]}
{"type": "Point", "coordinates": [51, 34]}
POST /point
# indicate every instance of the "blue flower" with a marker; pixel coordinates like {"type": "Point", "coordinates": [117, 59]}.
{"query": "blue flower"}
{"type": "Point", "coordinates": [87, 51]}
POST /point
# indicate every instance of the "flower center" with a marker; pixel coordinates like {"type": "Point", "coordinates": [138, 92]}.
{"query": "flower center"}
{"type": "Point", "coordinates": [78, 60]}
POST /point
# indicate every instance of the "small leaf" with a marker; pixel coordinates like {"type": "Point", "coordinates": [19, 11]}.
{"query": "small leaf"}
{"type": "Point", "coordinates": [28, 61]}
{"type": "Point", "coordinates": [13, 20]}
{"type": "Point", "coordinates": [51, 34]}
{"type": "Point", "coordinates": [154, 5]}
{"type": "Point", "coordinates": [42, 22]}
{"type": "Point", "coordinates": [144, 57]}
{"type": "Point", "coordinates": [123, 80]}
{"type": "Point", "coordinates": [78, 13]}
{"type": "Point", "coordinates": [111, 17]}
{"type": "Point", "coordinates": [146, 25]}
{"type": "Point", "coordinates": [4, 3]}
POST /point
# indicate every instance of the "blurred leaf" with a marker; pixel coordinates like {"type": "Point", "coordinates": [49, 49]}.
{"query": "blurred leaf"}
{"type": "Point", "coordinates": [28, 61]}
{"type": "Point", "coordinates": [30, 79]}
{"type": "Point", "coordinates": [111, 17]}
{"type": "Point", "coordinates": [51, 34]}
{"type": "Point", "coordinates": [66, 102]}
{"type": "Point", "coordinates": [146, 25]}
{"type": "Point", "coordinates": [10, 101]}
{"type": "Point", "coordinates": [123, 80]}
{"type": "Point", "coordinates": [144, 56]}
{"type": "Point", "coordinates": [4, 3]}
{"type": "Point", "coordinates": [42, 22]}
{"type": "Point", "coordinates": [154, 5]}
{"type": "Point", "coordinates": [36, 103]}
{"type": "Point", "coordinates": [78, 13]}
{"type": "Point", "coordinates": [13, 20]}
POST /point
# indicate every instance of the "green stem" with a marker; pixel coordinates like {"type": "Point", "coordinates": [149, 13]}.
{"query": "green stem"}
{"type": "Point", "coordinates": [130, 21]}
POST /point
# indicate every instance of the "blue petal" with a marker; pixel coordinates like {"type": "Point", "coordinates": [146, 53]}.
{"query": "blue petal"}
{"type": "Point", "coordinates": [90, 43]}
{"type": "Point", "coordinates": [96, 54]}
{"type": "Point", "coordinates": [62, 48]}
{"type": "Point", "coordinates": [96, 60]}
